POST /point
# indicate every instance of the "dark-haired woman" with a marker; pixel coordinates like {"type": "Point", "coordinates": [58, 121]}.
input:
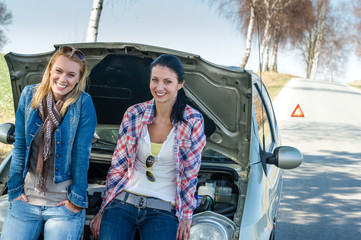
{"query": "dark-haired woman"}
{"type": "Point", "coordinates": [153, 175]}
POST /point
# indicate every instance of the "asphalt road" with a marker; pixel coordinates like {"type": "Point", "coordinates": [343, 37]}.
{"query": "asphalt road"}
{"type": "Point", "coordinates": [322, 198]}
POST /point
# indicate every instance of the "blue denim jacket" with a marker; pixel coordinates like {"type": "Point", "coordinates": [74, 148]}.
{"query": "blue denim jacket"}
{"type": "Point", "coordinates": [72, 145]}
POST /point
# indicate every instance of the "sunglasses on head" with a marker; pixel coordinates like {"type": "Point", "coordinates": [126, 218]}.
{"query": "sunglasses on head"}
{"type": "Point", "coordinates": [73, 51]}
{"type": "Point", "coordinates": [149, 162]}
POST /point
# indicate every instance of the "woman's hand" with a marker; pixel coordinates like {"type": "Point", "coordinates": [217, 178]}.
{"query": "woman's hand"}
{"type": "Point", "coordinates": [95, 225]}
{"type": "Point", "coordinates": [23, 197]}
{"type": "Point", "coordinates": [184, 229]}
{"type": "Point", "coordinates": [70, 206]}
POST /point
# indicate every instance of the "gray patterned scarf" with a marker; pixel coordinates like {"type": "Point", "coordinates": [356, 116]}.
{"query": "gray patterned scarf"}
{"type": "Point", "coordinates": [49, 112]}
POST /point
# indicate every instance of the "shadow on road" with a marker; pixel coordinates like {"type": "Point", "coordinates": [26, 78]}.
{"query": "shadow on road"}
{"type": "Point", "coordinates": [322, 198]}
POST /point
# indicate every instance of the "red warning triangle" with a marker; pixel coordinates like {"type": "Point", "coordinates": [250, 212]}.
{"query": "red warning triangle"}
{"type": "Point", "coordinates": [297, 112]}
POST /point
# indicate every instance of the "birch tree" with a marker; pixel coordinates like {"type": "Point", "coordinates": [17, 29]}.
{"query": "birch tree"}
{"type": "Point", "coordinates": [283, 22]}
{"type": "Point", "coordinates": [267, 15]}
{"type": "Point", "coordinates": [274, 51]}
{"type": "Point", "coordinates": [317, 35]}
{"type": "Point", "coordinates": [249, 35]}
{"type": "Point", "coordinates": [93, 25]}
{"type": "Point", "coordinates": [326, 44]}
{"type": "Point", "coordinates": [337, 43]}
{"type": "Point", "coordinates": [288, 26]}
{"type": "Point", "coordinates": [242, 14]}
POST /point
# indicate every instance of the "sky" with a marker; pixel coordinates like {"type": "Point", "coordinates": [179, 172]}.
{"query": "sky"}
{"type": "Point", "coordinates": [186, 25]}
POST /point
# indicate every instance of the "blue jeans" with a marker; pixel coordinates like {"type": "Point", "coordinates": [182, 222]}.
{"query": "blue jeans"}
{"type": "Point", "coordinates": [25, 221]}
{"type": "Point", "coordinates": [120, 220]}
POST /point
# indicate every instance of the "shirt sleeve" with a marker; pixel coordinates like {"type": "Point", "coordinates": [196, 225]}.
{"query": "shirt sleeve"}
{"type": "Point", "coordinates": [119, 164]}
{"type": "Point", "coordinates": [191, 167]}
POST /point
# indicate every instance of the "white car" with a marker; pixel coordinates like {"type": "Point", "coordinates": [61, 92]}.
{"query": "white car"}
{"type": "Point", "coordinates": [240, 180]}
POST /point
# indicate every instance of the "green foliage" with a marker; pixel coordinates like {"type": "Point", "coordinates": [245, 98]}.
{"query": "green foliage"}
{"type": "Point", "coordinates": [6, 103]}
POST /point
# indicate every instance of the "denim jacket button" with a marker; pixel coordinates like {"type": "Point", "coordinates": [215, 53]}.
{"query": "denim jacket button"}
{"type": "Point", "coordinates": [57, 169]}
{"type": "Point", "coordinates": [58, 142]}
{"type": "Point", "coordinates": [57, 155]}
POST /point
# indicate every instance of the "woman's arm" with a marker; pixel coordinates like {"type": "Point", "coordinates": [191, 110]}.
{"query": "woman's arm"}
{"type": "Point", "coordinates": [17, 165]}
{"type": "Point", "coordinates": [119, 163]}
{"type": "Point", "coordinates": [116, 171]}
{"type": "Point", "coordinates": [189, 179]}
{"type": "Point", "coordinates": [190, 169]}
{"type": "Point", "coordinates": [81, 153]}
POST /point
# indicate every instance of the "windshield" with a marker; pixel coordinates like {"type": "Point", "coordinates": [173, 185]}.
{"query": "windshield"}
{"type": "Point", "coordinates": [107, 135]}
{"type": "Point", "coordinates": [209, 154]}
{"type": "Point", "coordinates": [105, 138]}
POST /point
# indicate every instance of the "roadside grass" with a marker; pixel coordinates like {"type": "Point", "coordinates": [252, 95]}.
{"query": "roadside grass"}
{"type": "Point", "coordinates": [356, 84]}
{"type": "Point", "coordinates": [275, 82]}
{"type": "Point", "coordinates": [6, 103]}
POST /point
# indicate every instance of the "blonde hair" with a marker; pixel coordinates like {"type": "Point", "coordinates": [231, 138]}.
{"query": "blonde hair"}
{"type": "Point", "coordinates": [44, 87]}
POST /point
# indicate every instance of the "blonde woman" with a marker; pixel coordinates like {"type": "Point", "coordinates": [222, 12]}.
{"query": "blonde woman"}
{"type": "Point", "coordinates": [55, 122]}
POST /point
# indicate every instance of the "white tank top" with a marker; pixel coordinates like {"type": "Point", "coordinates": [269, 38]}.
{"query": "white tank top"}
{"type": "Point", "coordinates": [164, 169]}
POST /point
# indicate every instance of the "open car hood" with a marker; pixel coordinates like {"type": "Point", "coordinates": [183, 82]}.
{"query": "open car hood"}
{"type": "Point", "coordinates": [118, 77]}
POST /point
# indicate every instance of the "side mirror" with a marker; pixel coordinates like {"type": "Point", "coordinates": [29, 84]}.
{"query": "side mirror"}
{"type": "Point", "coordinates": [7, 133]}
{"type": "Point", "coordinates": [285, 157]}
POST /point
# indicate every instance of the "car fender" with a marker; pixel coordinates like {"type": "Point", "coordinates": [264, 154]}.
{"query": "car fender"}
{"type": "Point", "coordinates": [257, 221]}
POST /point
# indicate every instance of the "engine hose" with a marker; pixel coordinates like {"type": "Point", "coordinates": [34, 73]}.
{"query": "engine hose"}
{"type": "Point", "coordinates": [227, 209]}
{"type": "Point", "coordinates": [229, 215]}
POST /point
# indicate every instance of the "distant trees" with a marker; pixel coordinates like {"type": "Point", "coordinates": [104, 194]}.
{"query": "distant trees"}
{"type": "Point", "coordinates": [322, 30]}
{"type": "Point", "coordinates": [357, 36]}
{"type": "Point", "coordinates": [277, 22]}
{"type": "Point", "coordinates": [327, 40]}
{"type": "Point", "coordinates": [314, 36]}
{"type": "Point", "coordinates": [319, 29]}
{"type": "Point", "coordinates": [5, 20]}
{"type": "Point", "coordinates": [284, 21]}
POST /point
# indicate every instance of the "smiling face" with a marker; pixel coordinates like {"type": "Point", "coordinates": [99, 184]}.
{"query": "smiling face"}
{"type": "Point", "coordinates": [164, 85]}
{"type": "Point", "coordinates": [64, 75]}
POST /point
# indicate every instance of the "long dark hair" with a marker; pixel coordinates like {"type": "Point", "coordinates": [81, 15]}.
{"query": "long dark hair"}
{"type": "Point", "coordinates": [173, 62]}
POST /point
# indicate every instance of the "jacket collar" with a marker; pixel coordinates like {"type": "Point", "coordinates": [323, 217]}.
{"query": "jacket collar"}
{"type": "Point", "coordinates": [149, 112]}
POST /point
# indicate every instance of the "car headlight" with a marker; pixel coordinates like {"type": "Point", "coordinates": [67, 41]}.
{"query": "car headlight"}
{"type": "Point", "coordinates": [4, 206]}
{"type": "Point", "coordinates": [211, 226]}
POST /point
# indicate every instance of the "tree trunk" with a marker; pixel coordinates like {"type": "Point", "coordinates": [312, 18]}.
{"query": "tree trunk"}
{"type": "Point", "coordinates": [266, 34]}
{"type": "Point", "coordinates": [249, 38]}
{"type": "Point", "coordinates": [310, 52]}
{"type": "Point", "coordinates": [273, 62]}
{"type": "Point", "coordinates": [266, 55]}
{"type": "Point", "coordinates": [93, 25]}
{"type": "Point", "coordinates": [318, 42]}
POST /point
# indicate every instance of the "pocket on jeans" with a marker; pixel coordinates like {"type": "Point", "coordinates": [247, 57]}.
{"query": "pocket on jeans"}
{"type": "Point", "coordinates": [71, 213]}
{"type": "Point", "coordinates": [170, 214]}
{"type": "Point", "coordinates": [16, 203]}
{"type": "Point", "coordinates": [115, 203]}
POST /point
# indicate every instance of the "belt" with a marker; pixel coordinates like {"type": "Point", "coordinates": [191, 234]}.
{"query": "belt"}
{"type": "Point", "coordinates": [145, 202]}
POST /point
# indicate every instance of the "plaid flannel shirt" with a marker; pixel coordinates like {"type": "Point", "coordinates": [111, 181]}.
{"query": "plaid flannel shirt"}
{"type": "Point", "coordinates": [189, 142]}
